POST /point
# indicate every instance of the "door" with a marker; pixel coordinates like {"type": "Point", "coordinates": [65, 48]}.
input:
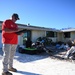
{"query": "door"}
{"type": "Point", "coordinates": [26, 36]}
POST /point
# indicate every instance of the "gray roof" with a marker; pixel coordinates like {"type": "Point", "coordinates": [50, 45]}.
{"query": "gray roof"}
{"type": "Point", "coordinates": [30, 27]}
{"type": "Point", "coordinates": [37, 28]}
{"type": "Point", "coordinates": [68, 30]}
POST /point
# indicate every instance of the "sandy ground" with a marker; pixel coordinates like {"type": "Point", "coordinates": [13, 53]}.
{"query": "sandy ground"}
{"type": "Point", "coordinates": [42, 64]}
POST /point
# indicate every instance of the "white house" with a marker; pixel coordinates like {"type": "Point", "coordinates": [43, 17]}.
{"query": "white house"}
{"type": "Point", "coordinates": [34, 32]}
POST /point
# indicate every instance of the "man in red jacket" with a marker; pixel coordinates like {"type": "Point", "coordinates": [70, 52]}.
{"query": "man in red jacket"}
{"type": "Point", "coordinates": [9, 40]}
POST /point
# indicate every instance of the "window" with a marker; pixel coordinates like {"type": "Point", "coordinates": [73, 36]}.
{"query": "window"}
{"type": "Point", "coordinates": [51, 34]}
{"type": "Point", "coordinates": [67, 34]}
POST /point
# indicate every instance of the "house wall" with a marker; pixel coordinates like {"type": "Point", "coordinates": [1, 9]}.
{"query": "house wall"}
{"type": "Point", "coordinates": [20, 40]}
{"type": "Point", "coordinates": [41, 33]}
{"type": "Point", "coordinates": [56, 38]}
{"type": "Point", "coordinates": [59, 36]}
{"type": "Point", "coordinates": [62, 37]}
{"type": "Point", "coordinates": [36, 34]}
{"type": "Point", "coordinates": [73, 35]}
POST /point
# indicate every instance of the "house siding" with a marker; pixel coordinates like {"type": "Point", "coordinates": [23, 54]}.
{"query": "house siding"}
{"type": "Point", "coordinates": [41, 32]}
{"type": "Point", "coordinates": [36, 34]}
{"type": "Point", "coordinates": [73, 35]}
{"type": "Point", "coordinates": [20, 40]}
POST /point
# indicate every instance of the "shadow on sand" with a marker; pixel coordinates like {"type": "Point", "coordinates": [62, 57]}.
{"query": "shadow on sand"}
{"type": "Point", "coordinates": [56, 54]}
{"type": "Point", "coordinates": [27, 73]}
{"type": "Point", "coordinates": [29, 58]}
{"type": "Point", "coordinates": [26, 57]}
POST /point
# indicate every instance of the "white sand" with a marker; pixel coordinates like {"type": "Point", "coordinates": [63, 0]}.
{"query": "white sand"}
{"type": "Point", "coordinates": [40, 65]}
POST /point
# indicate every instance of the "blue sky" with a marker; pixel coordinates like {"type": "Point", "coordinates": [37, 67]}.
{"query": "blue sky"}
{"type": "Point", "coordinates": [44, 13]}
